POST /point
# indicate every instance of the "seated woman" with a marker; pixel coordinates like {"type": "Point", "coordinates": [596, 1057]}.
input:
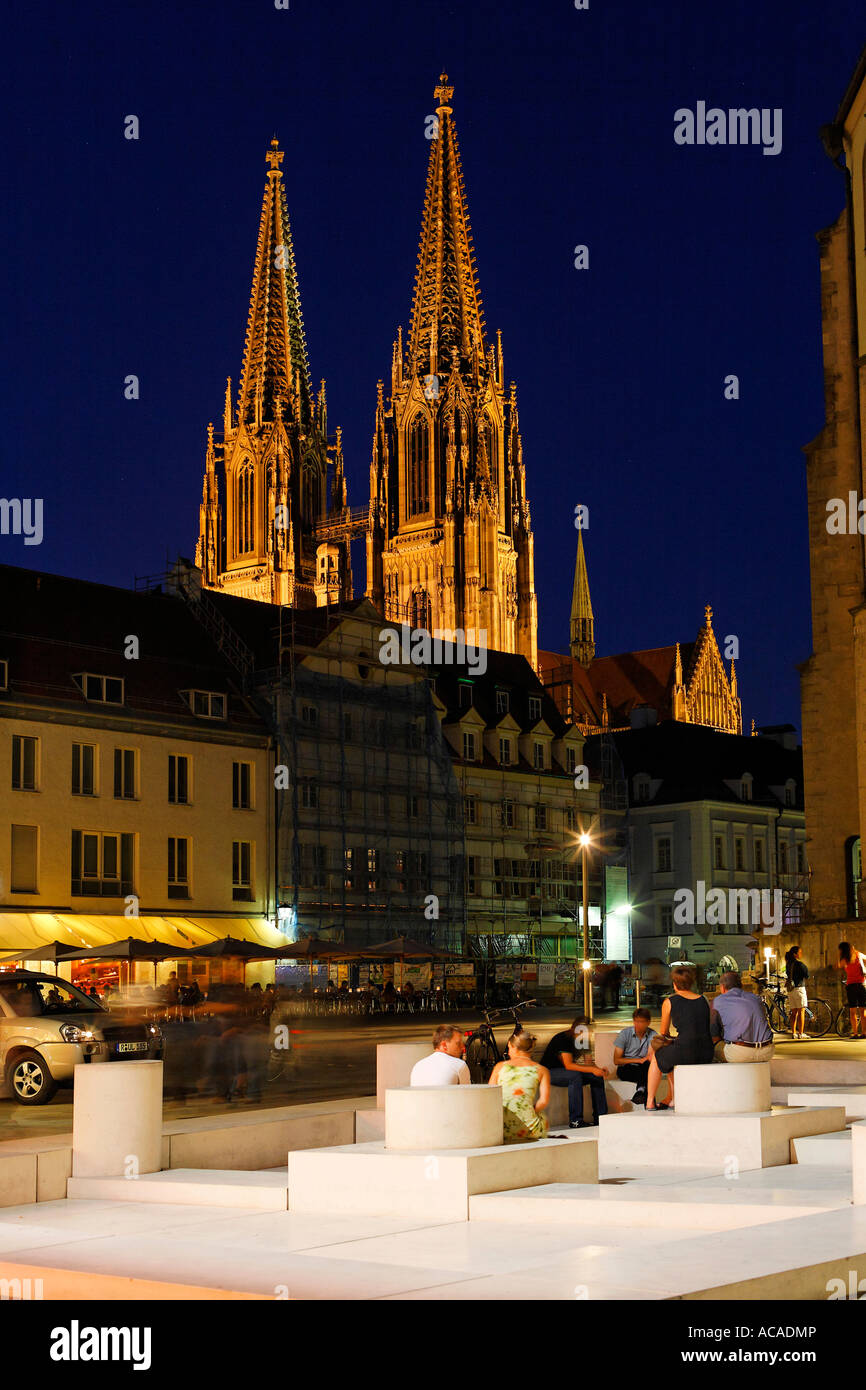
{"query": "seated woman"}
{"type": "Point", "coordinates": [689, 1014]}
{"type": "Point", "coordinates": [525, 1090]}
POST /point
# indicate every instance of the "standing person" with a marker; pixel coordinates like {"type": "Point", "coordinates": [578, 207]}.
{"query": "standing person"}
{"type": "Point", "coordinates": [632, 1053]}
{"type": "Point", "coordinates": [569, 1064]}
{"type": "Point", "coordinates": [796, 975]}
{"type": "Point", "coordinates": [525, 1090]}
{"type": "Point", "coordinates": [851, 964]}
{"type": "Point", "coordinates": [689, 1013]}
{"type": "Point", "coordinates": [613, 984]}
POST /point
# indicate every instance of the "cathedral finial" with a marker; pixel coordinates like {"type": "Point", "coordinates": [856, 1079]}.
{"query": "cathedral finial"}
{"type": "Point", "coordinates": [274, 157]}
{"type": "Point", "coordinates": [443, 93]}
{"type": "Point", "coordinates": [708, 614]}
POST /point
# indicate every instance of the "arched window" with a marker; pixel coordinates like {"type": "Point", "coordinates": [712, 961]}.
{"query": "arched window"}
{"type": "Point", "coordinates": [487, 445]}
{"type": "Point", "coordinates": [419, 609]}
{"type": "Point", "coordinates": [418, 471]}
{"type": "Point", "coordinates": [245, 510]}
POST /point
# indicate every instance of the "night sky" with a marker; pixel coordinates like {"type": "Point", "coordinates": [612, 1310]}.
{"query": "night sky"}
{"type": "Point", "coordinates": [136, 257]}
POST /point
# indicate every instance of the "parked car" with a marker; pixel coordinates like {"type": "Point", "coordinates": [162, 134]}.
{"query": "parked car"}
{"type": "Point", "coordinates": [47, 1026]}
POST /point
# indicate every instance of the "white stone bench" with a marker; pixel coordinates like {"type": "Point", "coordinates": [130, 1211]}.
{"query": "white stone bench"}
{"type": "Point", "coordinates": [443, 1117]}
{"type": "Point", "coordinates": [117, 1120]}
{"type": "Point", "coordinates": [394, 1063]}
{"type": "Point", "coordinates": [727, 1089]}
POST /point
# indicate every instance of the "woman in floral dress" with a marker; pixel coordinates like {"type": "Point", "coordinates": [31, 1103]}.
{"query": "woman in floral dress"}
{"type": "Point", "coordinates": [525, 1090]}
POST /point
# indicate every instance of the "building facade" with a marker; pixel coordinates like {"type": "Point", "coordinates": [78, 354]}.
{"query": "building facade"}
{"type": "Point", "coordinates": [833, 679]}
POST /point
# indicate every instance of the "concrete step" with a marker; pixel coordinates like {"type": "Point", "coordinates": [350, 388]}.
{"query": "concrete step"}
{"type": "Point", "coordinates": [203, 1187]}
{"type": "Point", "coordinates": [853, 1098]}
{"type": "Point", "coordinates": [827, 1150]}
{"type": "Point", "coordinates": [794, 1069]}
{"type": "Point", "coordinates": [703, 1207]}
{"type": "Point", "coordinates": [730, 1143]}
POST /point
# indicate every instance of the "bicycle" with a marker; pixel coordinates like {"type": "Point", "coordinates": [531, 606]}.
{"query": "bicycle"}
{"type": "Point", "coordinates": [818, 1015]}
{"type": "Point", "coordinates": [482, 1049]}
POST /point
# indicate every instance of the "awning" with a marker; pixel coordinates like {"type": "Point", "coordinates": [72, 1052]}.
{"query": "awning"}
{"type": "Point", "coordinates": [26, 930]}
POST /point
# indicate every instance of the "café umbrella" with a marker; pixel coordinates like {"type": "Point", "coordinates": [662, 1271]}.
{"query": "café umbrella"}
{"type": "Point", "coordinates": [130, 949]}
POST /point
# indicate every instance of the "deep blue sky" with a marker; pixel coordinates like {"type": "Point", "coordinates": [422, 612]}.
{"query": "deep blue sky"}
{"type": "Point", "coordinates": [124, 257]}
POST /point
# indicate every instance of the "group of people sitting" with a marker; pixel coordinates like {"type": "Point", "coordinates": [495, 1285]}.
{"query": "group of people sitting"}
{"type": "Point", "coordinates": [733, 1029]}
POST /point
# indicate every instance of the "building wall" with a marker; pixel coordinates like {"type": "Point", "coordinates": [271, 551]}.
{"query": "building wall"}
{"type": "Point", "coordinates": [210, 823]}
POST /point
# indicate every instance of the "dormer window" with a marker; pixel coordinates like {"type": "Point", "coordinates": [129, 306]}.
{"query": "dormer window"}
{"type": "Point", "coordinates": [641, 788]}
{"type": "Point", "coordinates": [465, 694]}
{"type": "Point", "coordinates": [502, 701]}
{"type": "Point", "coordinates": [105, 690]}
{"type": "Point", "coordinates": [790, 792]}
{"type": "Point", "coordinates": [206, 704]}
{"type": "Point", "coordinates": [505, 751]}
{"type": "Point", "coordinates": [534, 708]}
{"type": "Point", "coordinates": [746, 787]}
{"type": "Point", "coordinates": [469, 748]}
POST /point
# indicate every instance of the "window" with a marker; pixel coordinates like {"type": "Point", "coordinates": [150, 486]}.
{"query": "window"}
{"type": "Point", "coordinates": [746, 787]}
{"type": "Point", "coordinates": [538, 756]}
{"type": "Point", "coordinates": [502, 701]}
{"type": "Point", "coordinates": [83, 768]}
{"type": "Point", "coordinates": [505, 751]}
{"type": "Point", "coordinates": [102, 864]}
{"type": "Point", "coordinates": [790, 793]}
{"type": "Point", "coordinates": [469, 748]}
{"type": "Point", "coordinates": [124, 774]}
{"type": "Point", "coordinates": [664, 855]}
{"type": "Point", "coordinates": [372, 870]}
{"type": "Point", "coordinates": [24, 758]}
{"type": "Point", "coordinates": [348, 868]}
{"type": "Point", "coordinates": [418, 493]}
{"type": "Point", "coordinates": [470, 809]}
{"type": "Point", "coordinates": [801, 859]}
{"type": "Point", "coordinates": [178, 779]}
{"type": "Point", "coordinates": [318, 866]}
{"type": "Point", "coordinates": [666, 920]}
{"type": "Point", "coordinates": [245, 511]}
{"type": "Point", "coordinates": [759, 856]}
{"type": "Point", "coordinates": [310, 716]}
{"type": "Point", "coordinates": [4, 675]}
{"type": "Point", "coordinates": [571, 759]}
{"type": "Point", "coordinates": [506, 814]}
{"type": "Point", "coordinates": [739, 855]}
{"type": "Point", "coordinates": [471, 873]}
{"type": "Point", "coordinates": [719, 852]}
{"type": "Point", "coordinates": [541, 817]}
{"type": "Point", "coordinates": [242, 871]}
{"type": "Point", "coordinates": [535, 709]}
{"type": "Point", "coordinates": [107, 690]}
{"type": "Point", "coordinates": [413, 807]}
{"type": "Point", "coordinates": [25, 844]}
{"type": "Point", "coordinates": [420, 613]}
{"type": "Point", "coordinates": [783, 859]}
{"type": "Point", "coordinates": [206, 704]}
{"type": "Point", "coordinates": [570, 819]}
{"type": "Point", "coordinates": [242, 786]}
{"type": "Point", "coordinates": [178, 867]}
{"type": "Point", "coordinates": [465, 694]}
{"type": "Point", "coordinates": [309, 796]}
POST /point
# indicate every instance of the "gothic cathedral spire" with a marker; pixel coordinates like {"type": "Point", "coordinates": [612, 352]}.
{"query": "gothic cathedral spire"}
{"type": "Point", "coordinates": [582, 621]}
{"type": "Point", "coordinates": [450, 543]}
{"type": "Point", "coordinates": [263, 521]}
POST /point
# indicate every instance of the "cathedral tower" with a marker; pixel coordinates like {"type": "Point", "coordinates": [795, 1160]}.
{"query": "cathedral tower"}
{"type": "Point", "coordinates": [450, 542]}
{"type": "Point", "coordinates": [270, 502]}
{"type": "Point", "coordinates": [582, 645]}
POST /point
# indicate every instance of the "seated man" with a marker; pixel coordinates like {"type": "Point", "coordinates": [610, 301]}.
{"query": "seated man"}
{"type": "Point", "coordinates": [445, 1065]}
{"type": "Point", "coordinates": [631, 1053]}
{"type": "Point", "coordinates": [569, 1064]}
{"type": "Point", "coordinates": [739, 1023]}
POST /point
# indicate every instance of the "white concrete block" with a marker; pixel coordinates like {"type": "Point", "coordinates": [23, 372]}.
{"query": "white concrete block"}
{"type": "Point", "coordinates": [368, 1179]}
{"type": "Point", "coordinates": [394, 1063]}
{"type": "Point", "coordinates": [18, 1179]}
{"type": "Point", "coordinates": [823, 1150]}
{"type": "Point", "coordinates": [722, 1142]}
{"type": "Point", "coordinates": [252, 1145]}
{"type": "Point", "coordinates": [728, 1088]}
{"type": "Point", "coordinates": [852, 1098]}
{"type": "Point", "coordinates": [205, 1187]}
{"type": "Point", "coordinates": [443, 1117]}
{"type": "Point", "coordinates": [858, 1163]}
{"type": "Point", "coordinates": [793, 1069]}
{"type": "Point", "coordinates": [369, 1125]}
{"type": "Point", "coordinates": [117, 1119]}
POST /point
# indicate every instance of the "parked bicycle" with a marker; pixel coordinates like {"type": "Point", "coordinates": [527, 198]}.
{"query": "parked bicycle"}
{"type": "Point", "coordinates": [818, 1016]}
{"type": "Point", "coordinates": [482, 1049]}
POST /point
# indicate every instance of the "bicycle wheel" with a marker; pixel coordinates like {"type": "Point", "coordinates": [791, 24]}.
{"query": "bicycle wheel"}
{"type": "Point", "coordinates": [779, 1021]}
{"type": "Point", "coordinates": [480, 1058]}
{"type": "Point", "coordinates": [843, 1022]}
{"type": "Point", "coordinates": [819, 1018]}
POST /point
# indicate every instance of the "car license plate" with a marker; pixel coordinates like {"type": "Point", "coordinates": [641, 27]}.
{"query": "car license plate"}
{"type": "Point", "coordinates": [132, 1047]}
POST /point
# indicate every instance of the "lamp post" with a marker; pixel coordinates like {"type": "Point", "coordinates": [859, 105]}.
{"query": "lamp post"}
{"type": "Point", "coordinates": [584, 842]}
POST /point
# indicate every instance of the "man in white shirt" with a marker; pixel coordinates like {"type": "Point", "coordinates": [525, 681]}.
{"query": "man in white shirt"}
{"type": "Point", "coordinates": [445, 1065]}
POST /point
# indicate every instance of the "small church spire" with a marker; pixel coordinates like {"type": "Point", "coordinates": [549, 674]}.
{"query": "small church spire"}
{"type": "Point", "coordinates": [582, 620]}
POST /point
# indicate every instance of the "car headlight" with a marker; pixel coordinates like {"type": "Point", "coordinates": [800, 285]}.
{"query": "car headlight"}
{"type": "Point", "coordinates": [70, 1032]}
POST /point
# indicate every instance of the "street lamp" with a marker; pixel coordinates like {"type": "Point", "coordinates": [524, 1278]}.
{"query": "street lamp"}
{"type": "Point", "coordinates": [584, 841]}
